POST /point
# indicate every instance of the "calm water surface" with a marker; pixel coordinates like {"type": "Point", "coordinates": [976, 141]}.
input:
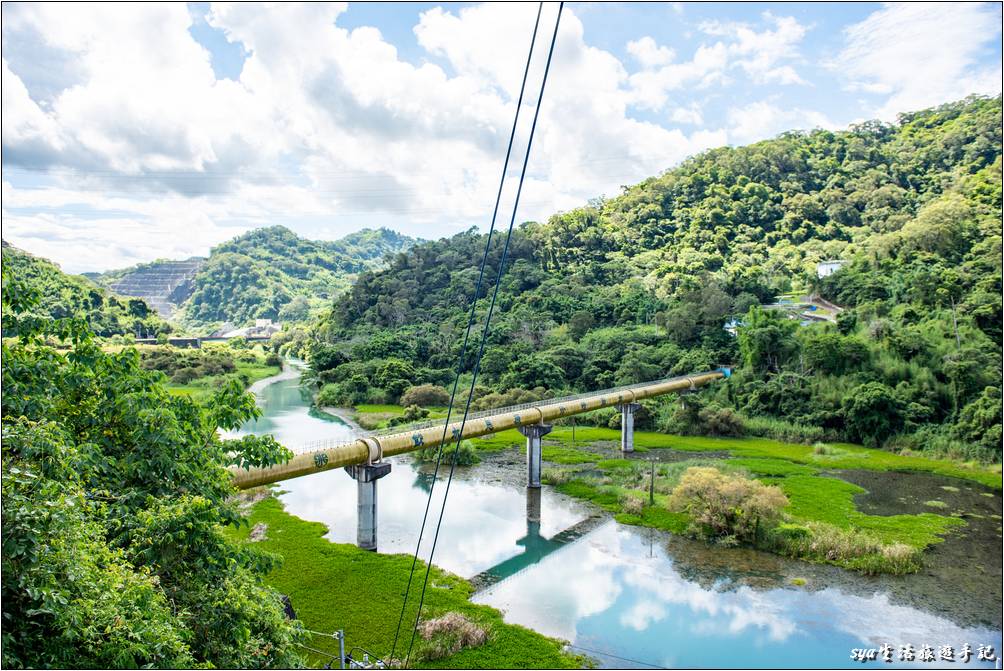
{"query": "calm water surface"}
{"type": "Point", "coordinates": [630, 597]}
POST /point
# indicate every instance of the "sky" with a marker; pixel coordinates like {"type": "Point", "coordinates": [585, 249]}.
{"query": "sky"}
{"type": "Point", "coordinates": [133, 132]}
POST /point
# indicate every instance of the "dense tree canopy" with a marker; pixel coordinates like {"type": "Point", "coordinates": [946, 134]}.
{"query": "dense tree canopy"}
{"type": "Point", "coordinates": [639, 286]}
{"type": "Point", "coordinates": [271, 272]}
{"type": "Point", "coordinates": [115, 498]}
{"type": "Point", "coordinates": [62, 296]}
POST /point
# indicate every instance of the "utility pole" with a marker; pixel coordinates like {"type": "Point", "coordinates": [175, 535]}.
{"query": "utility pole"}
{"type": "Point", "coordinates": [340, 636]}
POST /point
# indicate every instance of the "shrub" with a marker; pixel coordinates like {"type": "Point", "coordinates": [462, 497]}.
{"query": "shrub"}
{"type": "Point", "coordinates": [555, 476]}
{"type": "Point", "coordinates": [510, 397]}
{"type": "Point", "coordinates": [784, 535]}
{"type": "Point", "coordinates": [723, 504]}
{"type": "Point", "coordinates": [450, 634]}
{"type": "Point", "coordinates": [632, 504]}
{"type": "Point", "coordinates": [273, 359]}
{"type": "Point", "coordinates": [901, 558]}
{"type": "Point", "coordinates": [466, 455]}
{"type": "Point", "coordinates": [941, 442]}
{"type": "Point", "coordinates": [719, 421]}
{"type": "Point", "coordinates": [238, 343]}
{"type": "Point", "coordinates": [785, 431]}
{"type": "Point", "coordinates": [329, 395]}
{"type": "Point", "coordinates": [848, 547]}
{"type": "Point", "coordinates": [425, 395]}
{"type": "Point", "coordinates": [246, 356]}
{"type": "Point", "coordinates": [412, 413]}
{"type": "Point", "coordinates": [184, 375]}
{"type": "Point", "coordinates": [828, 542]}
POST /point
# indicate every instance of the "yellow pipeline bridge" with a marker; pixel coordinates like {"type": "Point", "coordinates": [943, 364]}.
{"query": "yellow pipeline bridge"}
{"type": "Point", "coordinates": [529, 418]}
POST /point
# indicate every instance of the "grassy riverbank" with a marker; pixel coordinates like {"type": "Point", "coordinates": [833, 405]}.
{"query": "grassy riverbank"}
{"type": "Point", "coordinates": [201, 389]}
{"type": "Point", "coordinates": [822, 523]}
{"type": "Point", "coordinates": [378, 416]}
{"type": "Point", "coordinates": [198, 373]}
{"type": "Point", "coordinates": [338, 586]}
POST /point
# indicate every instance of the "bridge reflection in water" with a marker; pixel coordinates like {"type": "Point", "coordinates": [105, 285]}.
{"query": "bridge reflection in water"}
{"type": "Point", "coordinates": [535, 546]}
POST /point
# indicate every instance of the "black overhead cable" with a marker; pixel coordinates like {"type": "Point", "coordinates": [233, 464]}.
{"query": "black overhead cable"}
{"type": "Point", "coordinates": [485, 331]}
{"type": "Point", "coordinates": [467, 335]}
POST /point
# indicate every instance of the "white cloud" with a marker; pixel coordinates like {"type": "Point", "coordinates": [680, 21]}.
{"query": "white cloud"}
{"type": "Point", "coordinates": [690, 114]}
{"type": "Point", "coordinates": [651, 88]}
{"type": "Point", "coordinates": [921, 54]}
{"type": "Point", "coordinates": [25, 125]}
{"type": "Point", "coordinates": [148, 100]}
{"type": "Point", "coordinates": [763, 119]}
{"type": "Point", "coordinates": [649, 54]}
{"type": "Point", "coordinates": [324, 124]}
{"type": "Point", "coordinates": [763, 56]}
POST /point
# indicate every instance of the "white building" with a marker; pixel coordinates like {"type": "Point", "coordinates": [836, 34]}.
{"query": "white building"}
{"type": "Point", "coordinates": [827, 268]}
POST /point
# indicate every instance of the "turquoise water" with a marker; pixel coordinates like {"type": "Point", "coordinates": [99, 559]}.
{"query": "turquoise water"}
{"type": "Point", "coordinates": [289, 415]}
{"type": "Point", "coordinates": [627, 596]}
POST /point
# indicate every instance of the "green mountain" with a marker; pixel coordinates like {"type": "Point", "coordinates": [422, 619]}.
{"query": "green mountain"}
{"type": "Point", "coordinates": [639, 286]}
{"type": "Point", "coordinates": [266, 273]}
{"type": "Point", "coordinates": [62, 296]}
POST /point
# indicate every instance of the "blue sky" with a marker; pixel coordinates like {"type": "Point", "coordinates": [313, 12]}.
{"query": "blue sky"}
{"type": "Point", "coordinates": [148, 131]}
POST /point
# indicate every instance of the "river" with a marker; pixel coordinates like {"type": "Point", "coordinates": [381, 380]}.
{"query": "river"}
{"type": "Point", "coordinates": [627, 596]}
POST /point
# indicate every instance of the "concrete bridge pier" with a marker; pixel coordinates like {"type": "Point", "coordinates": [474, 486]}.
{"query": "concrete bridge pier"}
{"type": "Point", "coordinates": [533, 433]}
{"type": "Point", "coordinates": [532, 508]}
{"type": "Point", "coordinates": [366, 476]}
{"type": "Point", "coordinates": [627, 425]}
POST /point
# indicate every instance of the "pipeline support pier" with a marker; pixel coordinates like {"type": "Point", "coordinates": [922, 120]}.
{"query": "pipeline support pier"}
{"type": "Point", "coordinates": [363, 458]}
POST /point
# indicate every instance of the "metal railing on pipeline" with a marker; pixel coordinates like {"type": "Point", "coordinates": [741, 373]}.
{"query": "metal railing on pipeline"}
{"type": "Point", "coordinates": [317, 445]}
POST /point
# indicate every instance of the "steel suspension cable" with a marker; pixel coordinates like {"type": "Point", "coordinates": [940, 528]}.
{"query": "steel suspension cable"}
{"type": "Point", "coordinates": [486, 329]}
{"type": "Point", "coordinates": [470, 323]}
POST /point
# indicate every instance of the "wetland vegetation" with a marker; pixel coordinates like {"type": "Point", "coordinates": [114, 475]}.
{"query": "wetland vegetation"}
{"type": "Point", "coordinates": [820, 521]}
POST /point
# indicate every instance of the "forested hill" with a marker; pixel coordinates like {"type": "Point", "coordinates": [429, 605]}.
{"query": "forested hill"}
{"type": "Point", "coordinates": [640, 285]}
{"type": "Point", "coordinates": [268, 273]}
{"type": "Point", "coordinates": [62, 296]}
{"type": "Point", "coordinates": [755, 218]}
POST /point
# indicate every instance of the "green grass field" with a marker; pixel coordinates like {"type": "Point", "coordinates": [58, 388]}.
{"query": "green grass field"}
{"type": "Point", "coordinates": [378, 416]}
{"type": "Point", "coordinates": [338, 586]}
{"type": "Point", "coordinates": [201, 389]}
